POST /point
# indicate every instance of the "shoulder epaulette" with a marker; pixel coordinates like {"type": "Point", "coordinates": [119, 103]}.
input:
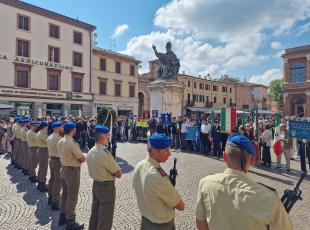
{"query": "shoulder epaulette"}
{"type": "Point", "coordinates": [162, 172]}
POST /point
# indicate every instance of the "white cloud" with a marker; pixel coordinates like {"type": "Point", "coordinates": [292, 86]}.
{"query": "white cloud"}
{"type": "Point", "coordinates": [119, 30]}
{"type": "Point", "coordinates": [238, 27]}
{"type": "Point", "coordinates": [303, 29]}
{"type": "Point", "coordinates": [267, 77]}
{"type": "Point", "coordinates": [275, 45]}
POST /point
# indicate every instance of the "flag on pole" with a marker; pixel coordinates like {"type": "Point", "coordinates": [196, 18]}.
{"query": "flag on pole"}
{"type": "Point", "coordinates": [243, 120]}
{"type": "Point", "coordinates": [228, 119]}
{"type": "Point", "coordinates": [277, 140]}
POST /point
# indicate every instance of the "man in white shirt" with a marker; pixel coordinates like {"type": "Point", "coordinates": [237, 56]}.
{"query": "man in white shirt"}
{"type": "Point", "coordinates": [204, 136]}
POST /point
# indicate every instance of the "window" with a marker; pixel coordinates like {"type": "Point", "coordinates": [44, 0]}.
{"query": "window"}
{"type": "Point", "coordinates": [132, 70]}
{"type": "Point", "coordinates": [215, 88]}
{"type": "Point", "coordinates": [53, 54]}
{"type": "Point", "coordinates": [224, 89]}
{"type": "Point", "coordinates": [200, 98]}
{"type": "Point", "coordinates": [203, 98]}
{"type": "Point", "coordinates": [230, 90]}
{"type": "Point", "coordinates": [194, 97]}
{"type": "Point", "coordinates": [77, 59]}
{"type": "Point", "coordinates": [214, 100]}
{"type": "Point", "coordinates": [200, 85]}
{"type": "Point", "coordinates": [103, 87]}
{"type": "Point", "coordinates": [188, 97]}
{"type": "Point", "coordinates": [22, 79]}
{"type": "Point", "coordinates": [207, 87]}
{"type": "Point", "coordinates": [53, 81]}
{"type": "Point", "coordinates": [297, 72]}
{"type": "Point", "coordinates": [207, 99]}
{"type": "Point", "coordinates": [54, 31]}
{"type": "Point", "coordinates": [77, 82]}
{"type": "Point", "coordinates": [224, 100]}
{"type": "Point", "coordinates": [23, 22]}
{"type": "Point", "coordinates": [23, 48]}
{"type": "Point", "coordinates": [117, 89]}
{"type": "Point", "coordinates": [131, 90]}
{"type": "Point", "coordinates": [195, 85]}
{"type": "Point", "coordinates": [188, 84]}
{"type": "Point", "coordinates": [103, 64]}
{"type": "Point", "coordinates": [117, 67]}
{"type": "Point", "coordinates": [77, 38]}
{"type": "Point", "coordinates": [230, 101]}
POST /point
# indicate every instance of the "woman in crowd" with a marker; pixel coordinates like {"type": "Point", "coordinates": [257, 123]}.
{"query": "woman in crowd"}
{"type": "Point", "coordinates": [266, 141]}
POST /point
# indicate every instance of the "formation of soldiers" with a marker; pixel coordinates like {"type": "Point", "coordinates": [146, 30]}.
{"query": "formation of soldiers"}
{"type": "Point", "coordinates": [228, 200]}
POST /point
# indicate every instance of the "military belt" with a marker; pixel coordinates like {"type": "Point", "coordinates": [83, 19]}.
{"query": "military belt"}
{"type": "Point", "coordinates": [54, 158]}
{"type": "Point", "coordinates": [106, 183]}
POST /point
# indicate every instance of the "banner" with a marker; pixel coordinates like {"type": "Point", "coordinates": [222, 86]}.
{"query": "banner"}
{"type": "Point", "coordinates": [166, 118]}
{"type": "Point", "coordinates": [191, 134]}
{"type": "Point", "coordinates": [228, 119]}
{"type": "Point", "coordinates": [299, 129]}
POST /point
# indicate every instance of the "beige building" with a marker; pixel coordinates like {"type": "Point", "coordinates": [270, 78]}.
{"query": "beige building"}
{"type": "Point", "coordinates": [296, 65]}
{"type": "Point", "coordinates": [115, 81]}
{"type": "Point", "coordinates": [244, 97]}
{"type": "Point", "coordinates": [45, 61]}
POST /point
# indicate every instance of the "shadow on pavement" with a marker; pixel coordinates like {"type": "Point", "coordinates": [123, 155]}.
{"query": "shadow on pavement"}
{"type": "Point", "coordinates": [123, 164]}
{"type": "Point", "coordinates": [287, 182]}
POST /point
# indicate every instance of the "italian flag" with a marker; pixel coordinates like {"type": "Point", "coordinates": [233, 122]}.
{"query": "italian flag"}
{"type": "Point", "coordinates": [277, 140]}
{"type": "Point", "coordinates": [228, 119]}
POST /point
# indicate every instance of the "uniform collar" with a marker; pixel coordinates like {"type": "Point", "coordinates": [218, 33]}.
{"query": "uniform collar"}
{"type": "Point", "coordinates": [68, 137]}
{"type": "Point", "coordinates": [56, 134]}
{"type": "Point", "coordinates": [100, 146]}
{"type": "Point", "coordinates": [235, 172]}
{"type": "Point", "coordinates": [152, 161]}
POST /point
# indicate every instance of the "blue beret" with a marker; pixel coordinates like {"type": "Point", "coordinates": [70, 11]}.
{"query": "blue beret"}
{"type": "Point", "coordinates": [34, 123]}
{"type": "Point", "coordinates": [24, 117]}
{"type": "Point", "coordinates": [160, 141]}
{"type": "Point", "coordinates": [69, 125]}
{"type": "Point", "coordinates": [18, 120]}
{"type": "Point", "coordinates": [24, 121]}
{"type": "Point", "coordinates": [101, 129]}
{"type": "Point", "coordinates": [44, 124]}
{"type": "Point", "coordinates": [241, 142]}
{"type": "Point", "coordinates": [56, 124]}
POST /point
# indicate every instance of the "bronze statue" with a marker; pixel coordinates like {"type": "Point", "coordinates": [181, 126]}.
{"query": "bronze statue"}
{"type": "Point", "coordinates": [169, 63]}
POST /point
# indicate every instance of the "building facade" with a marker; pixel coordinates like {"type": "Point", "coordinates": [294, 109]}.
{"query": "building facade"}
{"type": "Point", "coordinates": [115, 82]}
{"type": "Point", "coordinates": [260, 96]}
{"type": "Point", "coordinates": [45, 61]}
{"type": "Point", "coordinates": [296, 68]}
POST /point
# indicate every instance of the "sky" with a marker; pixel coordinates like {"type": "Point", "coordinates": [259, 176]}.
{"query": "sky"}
{"type": "Point", "coordinates": [244, 39]}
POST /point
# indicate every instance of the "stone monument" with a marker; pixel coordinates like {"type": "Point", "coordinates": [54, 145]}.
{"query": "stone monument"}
{"type": "Point", "coordinates": [166, 94]}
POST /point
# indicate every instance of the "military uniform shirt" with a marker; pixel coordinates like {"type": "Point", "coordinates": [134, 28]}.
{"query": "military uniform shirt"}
{"type": "Point", "coordinates": [13, 130]}
{"type": "Point", "coordinates": [52, 142]}
{"type": "Point", "coordinates": [23, 134]}
{"type": "Point", "coordinates": [41, 139]}
{"type": "Point", "coordinates": [17, 132]}
{"type": "Point", "coordinates": [101, 164]}
{"type": "Point", "coordinates": [69, 151]}
{"type": "Point", "coordinates": [155, 194]}
{"type": "Point", "coordinates": [230, 200]}
{"type": "Point", "coordinates": [31, 138]}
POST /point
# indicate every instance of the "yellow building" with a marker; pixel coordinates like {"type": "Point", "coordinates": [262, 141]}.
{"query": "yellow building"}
{"type": "Point", "coordinates": [115, 81]}
{"type": "Point", "coordinates": [208, 94]}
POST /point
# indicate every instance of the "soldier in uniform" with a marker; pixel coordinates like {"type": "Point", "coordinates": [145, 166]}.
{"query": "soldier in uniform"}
{"type": "Point", "coordinates": [71, 158]}
{"type": "Point", "coordinates": [18, 143]}
{"type": "Point", "coordinates": [24, 146]}
{"type": "Point", "coordinates": [54, 184]}
{"type": "Point", "coordinates": [32, 150]}
{"type": "Point", "coordinates": [42, 156]}
{"type": "Point", "coordinates": [231, 200]}
{"type": "Point", "coordinates": [156, 196]}
{"type": "Point", "coordinates": [103, 169]}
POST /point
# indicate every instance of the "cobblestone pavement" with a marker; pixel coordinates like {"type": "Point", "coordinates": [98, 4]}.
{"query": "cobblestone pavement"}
{"type": "Point", "coordinates": [23, 207]}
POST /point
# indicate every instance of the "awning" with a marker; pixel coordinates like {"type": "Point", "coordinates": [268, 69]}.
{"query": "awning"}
{"type": "Point", "coordinates": [5, 106]}
{"type": "Point", "coordinates": [125, 108]}
{"type": "Point", "coordinates": [204, 110]}
{"type": "Point", "coordinates": [261, 111]}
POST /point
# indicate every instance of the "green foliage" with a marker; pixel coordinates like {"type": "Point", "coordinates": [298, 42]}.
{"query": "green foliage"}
{"type": "Point", "coordinates": [102, 116]}
{"type": "Point", "coordinates": [228, 78]}
{"type": "Point", "coordinates": [276, 90]}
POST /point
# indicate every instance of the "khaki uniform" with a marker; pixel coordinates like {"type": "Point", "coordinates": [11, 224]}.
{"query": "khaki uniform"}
{"type": "Point", "coordinates": [33, 152]}
{"type": "Point", "coordinates": [70, 152]}
{"type": "Point", "coordinates": [54, 184]}
{"type": "Point", "coordinates": [42, 155]}
{"type": "Point", "coordinates": [18, 150]}
{"type": "Point", "coordinates": [13, 157]}
{"type": "Point", "coordinates": [156, 195]}
{"type": "Point", "coordinates": [24, 153]}
{"type": "Point", "coordinates": [230, 200]}
{"type": "Point", "coordinates": [101, 168]}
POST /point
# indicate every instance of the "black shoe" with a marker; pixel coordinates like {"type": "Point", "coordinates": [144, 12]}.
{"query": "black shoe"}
{"type": "Point", "coordinates": [74, 226]}
{"type": "Point", "coordinates": [43, 188]}
{"type": "Point", "coordinates": [62, 219]}
{"type": "Point", "coordinates": [55, 207]}
{"type": "Point", "coordinates": [49, 201]}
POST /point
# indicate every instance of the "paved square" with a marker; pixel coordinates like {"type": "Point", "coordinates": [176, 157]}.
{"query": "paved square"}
{"type": "Point", "coordinates": [23, 207]}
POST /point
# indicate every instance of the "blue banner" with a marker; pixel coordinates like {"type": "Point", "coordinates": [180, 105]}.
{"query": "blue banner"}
{"type": "Point", "coordinates": [299, 129]}
{"type": "Point", "coordinates": [166, 118]}
{"type": "Point", "coordinates": [191, 133]}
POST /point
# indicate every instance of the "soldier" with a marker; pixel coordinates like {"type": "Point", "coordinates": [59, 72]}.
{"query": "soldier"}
{"type": "Point", "coordinates": [24, 152]}
{"type": "Point", "coordinates": [54, 184]}
{"type": "Point", "coordinates": [103, 169]}
{"type": "Point", "coordinates": [18, 143]}
{"type": "Point", "coordinates": [156, 196]}
{"type": "Point", "coordinates": [13, 139]}
{"type": "Point", "coordinates": [231, 200]}
{"type": "Point", "coordinates": [32, 150]}
{"type": "Point", "coordinates": [71, 158]}
{"type": "Point", "coordinates": [42, 156]}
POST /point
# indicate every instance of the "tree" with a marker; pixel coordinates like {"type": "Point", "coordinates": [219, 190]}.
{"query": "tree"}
{"type": "Point", "coordinates": [276, 90]}
{"type": "Point", "coordinates": [102, 116]}
{"type": "Point", "coordinates": [228, 78]}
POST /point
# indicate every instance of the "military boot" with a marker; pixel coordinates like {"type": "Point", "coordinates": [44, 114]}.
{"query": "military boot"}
{"type": "Point", "coordinates": [42, 187]}
{"type": "Point", "coordinates": [72, 225]}
{"type": "Point", "coordinates": [49, 201]}
{"type": "Point", "coordinates": [62, 219]}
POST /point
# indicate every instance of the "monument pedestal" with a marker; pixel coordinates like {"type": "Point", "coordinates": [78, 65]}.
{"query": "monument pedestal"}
{"type": "Point", "coordinates": [166, 96]}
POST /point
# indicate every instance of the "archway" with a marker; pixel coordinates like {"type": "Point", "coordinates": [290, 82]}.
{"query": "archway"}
{"type": "Point", "coordinates": [298, 105]}
{"type": "Point", "coordinates": [141, 104]}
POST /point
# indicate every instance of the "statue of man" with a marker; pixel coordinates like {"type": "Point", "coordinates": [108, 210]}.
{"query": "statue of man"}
{"type": "Point", "coordinates": [169, 63]}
